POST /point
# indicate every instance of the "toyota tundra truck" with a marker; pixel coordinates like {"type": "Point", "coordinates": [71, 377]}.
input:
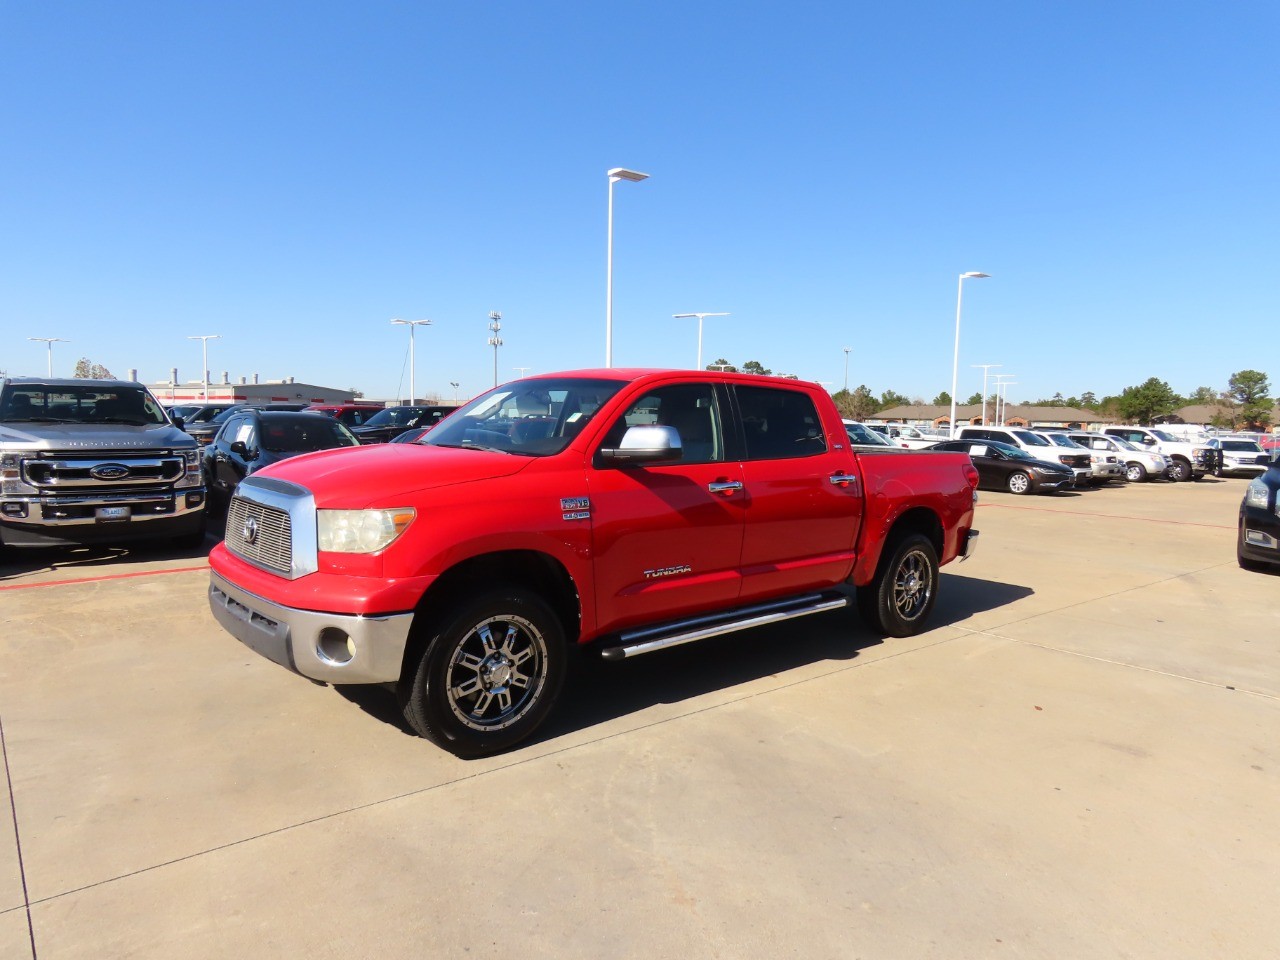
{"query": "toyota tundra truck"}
{"type": "Point", "coordinates": [93, 461]}
{"type": "Point", "coordinates": [615, 511]}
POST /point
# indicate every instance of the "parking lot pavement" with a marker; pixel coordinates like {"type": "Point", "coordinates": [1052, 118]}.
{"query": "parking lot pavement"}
{"type": "Point", "coordinates": [1078, 760]}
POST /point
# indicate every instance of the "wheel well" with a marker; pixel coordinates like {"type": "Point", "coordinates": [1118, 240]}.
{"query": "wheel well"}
{"type": "Point", "coordinates": [1179, 456]}
{"type": "Point", "coordinates": [542, 574]}
{"type": "Point", "coordinates": [916, 520]}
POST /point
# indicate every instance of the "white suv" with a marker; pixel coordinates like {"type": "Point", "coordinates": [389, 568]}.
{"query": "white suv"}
{"type": "Point", "coordinates": [1080, 462]}
{"type": "Point", "coordinates": [1106, 465]}
{"type": "Point", "coordinates": [1140, 464]}
{"type": "Point", "coordinates": [1187, 460]}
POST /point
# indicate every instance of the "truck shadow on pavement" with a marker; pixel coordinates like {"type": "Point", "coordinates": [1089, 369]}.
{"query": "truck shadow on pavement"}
{"type": "Point", "coordinates": [599, 692]}
{"type": "Point", "coordinates": [17, 562]}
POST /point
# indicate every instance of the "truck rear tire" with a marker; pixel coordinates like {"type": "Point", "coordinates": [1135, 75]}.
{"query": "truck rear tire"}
{"type": "Point", "coordinates": [899, 600]}
{"type": "Point", "coordinates": [489, 673]}
{"type": "Point", "coordinates": [1179, 470]}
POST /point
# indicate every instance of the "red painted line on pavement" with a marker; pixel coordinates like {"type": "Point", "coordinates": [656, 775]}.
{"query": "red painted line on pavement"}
{"type": "Point", "coordinates": [1110, 516]}
{"type": "Point", "coordinates": [109, 576]}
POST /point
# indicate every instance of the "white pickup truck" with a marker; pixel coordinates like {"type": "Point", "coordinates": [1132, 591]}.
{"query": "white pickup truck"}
{"type": "Point", "coordinates": [1188, 460]}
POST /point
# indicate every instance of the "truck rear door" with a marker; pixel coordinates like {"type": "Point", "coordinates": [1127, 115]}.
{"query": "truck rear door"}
{"type": "Point", "coordinates": [804, 498]}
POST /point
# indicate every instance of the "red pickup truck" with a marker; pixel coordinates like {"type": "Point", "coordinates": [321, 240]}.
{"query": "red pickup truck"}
{"type": "Point", "coordinates": [621, 511]}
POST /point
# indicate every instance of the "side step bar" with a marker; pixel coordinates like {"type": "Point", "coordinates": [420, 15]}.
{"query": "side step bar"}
{"type": "Point", "coordinates": [648, 639]}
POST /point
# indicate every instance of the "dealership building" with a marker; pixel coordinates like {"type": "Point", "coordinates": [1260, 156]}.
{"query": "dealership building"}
{"type": "Point", "coordinates": [247, 390]}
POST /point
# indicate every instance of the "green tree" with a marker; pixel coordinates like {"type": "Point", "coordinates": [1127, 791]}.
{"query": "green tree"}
{"type": "Point", "coordinates": [891, 398]}
{"type": "Point", "coordinates": [975, 399]}
{"type": "Point", "coordinates": [754, 366]}
{"type": "Point", "coordinates": [944, 399]}
{"type": "Point", "coordinates": [1151, 399]}
{"type": "Point", "coordinates": [1251, 392]}
{"type": "Point", "coordinates": [722, 364]}
{"type": "Point", "coordinates": [1204, 395]}
{"type": "Point", "coordinates": [1088, 400]}
{"type": "Point", "coordinates": [86, 370]}
{"type": "Point", "coordinates": [863, 403]}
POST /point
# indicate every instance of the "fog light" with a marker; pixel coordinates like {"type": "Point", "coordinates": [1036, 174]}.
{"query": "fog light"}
{"type": "Point", "coordinates": [18, 510]}
{"type": "Point", "coordinates": [336, 646]}
{"type": "Point", "coordinates": [1259, 539]}
{"type": "Point", "coordinates": [194, 500]}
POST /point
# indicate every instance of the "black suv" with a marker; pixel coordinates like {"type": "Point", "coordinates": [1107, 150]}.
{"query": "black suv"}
{"type": "Point", "coordinates": [252, 438]}
{"type": "Point", "coordinates": [1258, 536]}
{"type": "Point", "coordinates": [386, 425]}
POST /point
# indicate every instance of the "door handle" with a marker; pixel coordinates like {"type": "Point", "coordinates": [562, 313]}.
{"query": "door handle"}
{"type": "Point", "coordinates": [845, 480]}
{"type": "Point", "coordinates": [724, 486]}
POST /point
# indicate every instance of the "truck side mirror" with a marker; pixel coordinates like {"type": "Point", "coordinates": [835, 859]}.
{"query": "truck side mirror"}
{"type": "Point", "coordinates": [642, 445]}
{"type": "Point", "coordinates": [239, 448]}
{"type": "Point", "coordinates": [178, 422]}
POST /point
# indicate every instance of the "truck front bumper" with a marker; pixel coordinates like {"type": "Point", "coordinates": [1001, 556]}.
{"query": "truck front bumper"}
{"type": "Point", "coordinates": [328, 647]}
{"type": "Point", "coordinates": [51, 521]}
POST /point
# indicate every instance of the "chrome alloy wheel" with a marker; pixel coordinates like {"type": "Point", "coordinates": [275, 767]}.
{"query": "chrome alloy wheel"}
{"type": "Point", "coordinates": [496, 673]}
{"type": "Point", "coordinates": [912, 585]}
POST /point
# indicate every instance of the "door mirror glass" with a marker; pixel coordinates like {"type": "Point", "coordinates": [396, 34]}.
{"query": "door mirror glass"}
{"type": "Point", "coordinates": [644, 444]}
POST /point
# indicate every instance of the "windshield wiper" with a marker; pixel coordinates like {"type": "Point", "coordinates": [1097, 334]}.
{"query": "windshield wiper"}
{"type": "Point", "coordinates": [41, 420]}
{"type": "Point", "coordinates": [468, 446]}
{"type": "Point", "coordinates": [131, 421]}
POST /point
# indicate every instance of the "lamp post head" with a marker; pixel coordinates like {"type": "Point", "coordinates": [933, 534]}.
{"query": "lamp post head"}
{"type": "Point", "coordinates": [622, 173]}
{"type": "Point", "coordinates": [974, 275]}
{"type": "Point", "coordinates": [413, 323]}
{"type": "Point", "coordinates": [682, 316]}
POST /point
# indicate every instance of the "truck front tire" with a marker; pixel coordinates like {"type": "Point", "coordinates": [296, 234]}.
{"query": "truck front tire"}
{"type": "Point", "coordinates": [489, 673]}
{"type": "Point", "coordinates": [899, 600]}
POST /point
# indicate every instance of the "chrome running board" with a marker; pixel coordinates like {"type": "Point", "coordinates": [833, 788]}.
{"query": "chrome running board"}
{"type": "Point", "coordinates": [633, 643]}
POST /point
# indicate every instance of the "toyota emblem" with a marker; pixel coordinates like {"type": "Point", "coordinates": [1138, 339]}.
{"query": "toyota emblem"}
{"type": "Point", "coordinates": [250, 530]}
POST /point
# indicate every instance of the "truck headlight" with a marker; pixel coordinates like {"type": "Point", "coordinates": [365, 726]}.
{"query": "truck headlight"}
{"type": "Point", "coordinates": [11, 482]}
{"type": "Point", "coordinates": [360, 531]}
{"type": "Point", "coordinates": [191, 473]}
{"type": "Point", "coordinates": [1256, 494]}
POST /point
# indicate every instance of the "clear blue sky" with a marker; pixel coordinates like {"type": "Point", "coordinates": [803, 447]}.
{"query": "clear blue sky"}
{"type": "Point", "coordinates": [293, 175]}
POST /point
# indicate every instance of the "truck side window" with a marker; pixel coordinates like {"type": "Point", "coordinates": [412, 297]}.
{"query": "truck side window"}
{"type": "Point", "coordinates": [779, 424]}
{"type": "Point", "coordinates": [688, 407]}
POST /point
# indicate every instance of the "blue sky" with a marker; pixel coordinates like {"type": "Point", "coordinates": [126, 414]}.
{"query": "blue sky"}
{"type": "Point", "coordinates": [293, 175]}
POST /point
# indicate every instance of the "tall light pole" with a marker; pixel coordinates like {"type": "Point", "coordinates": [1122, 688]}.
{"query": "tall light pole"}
{"type": "Point", "coordinates": [701, 317]}
{"type": "Point", "coordinates": [521, 370]}
{"type": "Point", "coordinates": [846, 369]}
{"type": "Point", "coordinates": [204, 359]}
{"type": "Point", "coordinates": [955, 361]}
{"type": "Point", "coordinates": [454, 384]}
{"type": "Point", "coordinates": [1002, 380]}
{"type": "Point", "coordinates": [985, 367]}
{"type": "Point", "coordinates": [495, 341]}
{"type": "Point", "coordinates": [49, 342]}
{"type": "Point", "coordinates": [412, 324]}
{"type": "Point", "coordinates": [616, 174]}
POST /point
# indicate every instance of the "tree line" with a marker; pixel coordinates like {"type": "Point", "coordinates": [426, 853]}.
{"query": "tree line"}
{"type": "Point", "coordinates": [1246, 403]}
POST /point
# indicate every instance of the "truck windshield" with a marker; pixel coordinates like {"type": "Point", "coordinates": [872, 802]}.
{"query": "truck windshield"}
{"type": "Point", "coordinates": [49, 403]}
{"type": "Point", "coordinates": [1029, 438]}
{"type": "Point", "coordinates": [534, 418]}
{"type": "Point", "coordinates": [1162, 435]}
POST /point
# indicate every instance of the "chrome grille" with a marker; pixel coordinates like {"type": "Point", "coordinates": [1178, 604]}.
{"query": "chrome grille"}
{"type": "Point", "coordinates": [261, 534]}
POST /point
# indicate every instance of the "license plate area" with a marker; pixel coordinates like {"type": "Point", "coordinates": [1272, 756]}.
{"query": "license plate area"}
{"type": "Point", "coordinates": [109, 514]}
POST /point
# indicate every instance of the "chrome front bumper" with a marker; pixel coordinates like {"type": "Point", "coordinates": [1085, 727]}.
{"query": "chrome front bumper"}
{"type": "Point", "coordinates": [329, 647]}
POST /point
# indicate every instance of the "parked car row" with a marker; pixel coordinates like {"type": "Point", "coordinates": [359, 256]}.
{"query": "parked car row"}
{"type": "Point", "coordinates": [1020, 460]}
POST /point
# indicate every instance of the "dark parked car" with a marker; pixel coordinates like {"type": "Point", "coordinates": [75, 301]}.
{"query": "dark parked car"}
{"type": "Point", "coordinates": [1258, 537]}
{"type": "Point", "coordinates": [387, 424]}
{"type": "Point", "coordinates": [193, 413]}
{"type": "Point", "coordinates": [1002, 466]}
{"type": "Point", "coordinates": [350, 414]}
{"type": "Point", "coordinates": [252, 438]}
{"type": "Point", "coordinates": [206, 430]}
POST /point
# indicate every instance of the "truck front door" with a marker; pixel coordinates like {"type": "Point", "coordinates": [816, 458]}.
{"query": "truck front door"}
{"type": "Point", "coordinates": [667, 539]}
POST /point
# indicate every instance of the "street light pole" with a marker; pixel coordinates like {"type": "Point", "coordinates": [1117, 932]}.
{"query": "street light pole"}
{"type": "Point", "coordinates": [985, 367]}
{"type": "Point", "coordinates": [411, 324]}
{"type": "Point", "coordinates": [616, 174]}
{"type": "Point", "coordinates": [49, 342]}
{"type": "Point", "coordinates": [454, 384]}
{"type": "Point", "coordinates": [495, 341]}
{"type": "Point", "coordinates": [521, 370]}
{"type": "Point", "coordinates": [204, 359]}
{"type": "Point", "coordinates": [846, 369]}
{"type": "Point", "coordinates": [701, 317]}
{"type": "Point", "coordinates": [955, 360]}
{"type": "Point", "coordinates": [1002, 380]}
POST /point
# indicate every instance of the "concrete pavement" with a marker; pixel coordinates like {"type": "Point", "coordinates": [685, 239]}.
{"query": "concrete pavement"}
{"type": "Point", "coordinates": [1080, 760]}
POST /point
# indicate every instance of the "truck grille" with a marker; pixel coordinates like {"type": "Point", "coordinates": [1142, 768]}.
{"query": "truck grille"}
{"type": "Point", "coordinates": [261, 534]}
{"type": "Point", "coordinates": [99, 472]}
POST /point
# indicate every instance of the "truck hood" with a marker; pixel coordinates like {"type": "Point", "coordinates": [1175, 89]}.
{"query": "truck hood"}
{"type": "Point", "coordinates": [23, 435]}
{"type": "Point", "coordinates": [352, 478]}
